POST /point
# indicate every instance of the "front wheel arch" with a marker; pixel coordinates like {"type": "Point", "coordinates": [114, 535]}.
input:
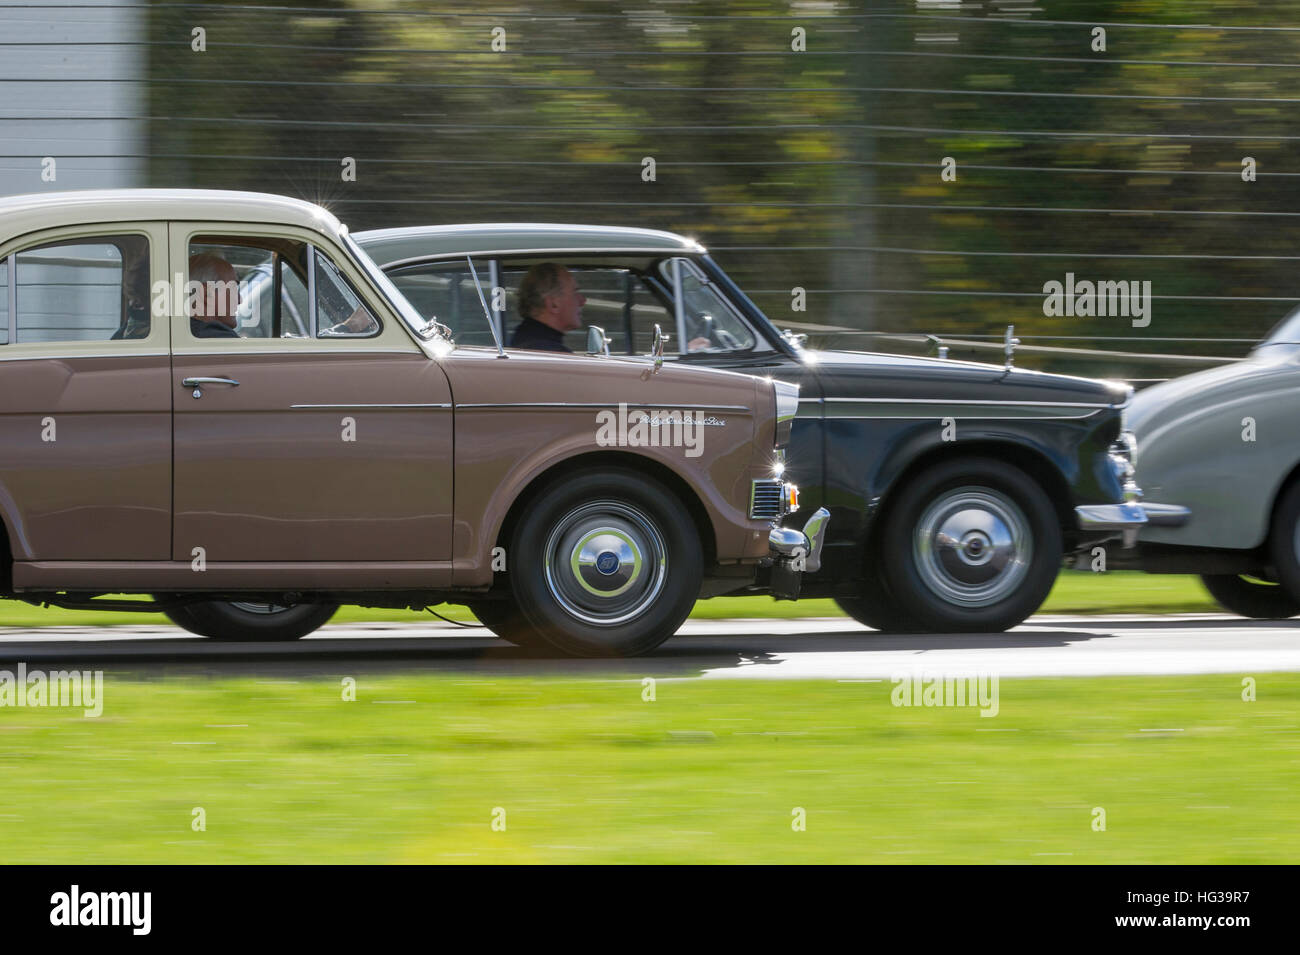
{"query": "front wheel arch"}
{"type": "Point", "coordinates": [604, 460]}
{"type": "Point", "coordinates": [1035, 465]}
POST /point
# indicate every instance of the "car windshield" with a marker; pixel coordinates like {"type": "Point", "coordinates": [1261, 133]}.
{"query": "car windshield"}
{"type": "Point", "coordinates": [426, 328]}
{"type": "Point", "coordinates": [710, 323]}
{"type": "Point", "coordinates": [1285, 332]}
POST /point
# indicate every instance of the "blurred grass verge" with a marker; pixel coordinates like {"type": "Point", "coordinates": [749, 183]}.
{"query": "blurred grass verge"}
{"type": "Point", "coordinates": [1075, 592]}
{"type": "Point", "coordinates": [711, 771]}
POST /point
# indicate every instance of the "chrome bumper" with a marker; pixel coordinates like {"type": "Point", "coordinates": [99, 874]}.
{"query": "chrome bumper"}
{"type": "Point", "coordinates": [1130, 518]}
{"type": "Point", "coordinates": [794, 553]}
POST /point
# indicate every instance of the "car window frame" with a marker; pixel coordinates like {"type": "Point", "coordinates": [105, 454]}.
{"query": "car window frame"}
{"type": "Point", "coordinates": [157, 342]}
{"type": "Point", "coordinates": [393, 335]}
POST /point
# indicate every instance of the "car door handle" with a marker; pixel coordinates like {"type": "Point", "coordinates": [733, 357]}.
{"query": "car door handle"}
{"type": "Point", "coordinates": [198, 383]}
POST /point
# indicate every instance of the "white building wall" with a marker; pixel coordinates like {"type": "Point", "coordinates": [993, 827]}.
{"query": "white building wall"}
{"type": "Point", "coordinates": [72, 88]}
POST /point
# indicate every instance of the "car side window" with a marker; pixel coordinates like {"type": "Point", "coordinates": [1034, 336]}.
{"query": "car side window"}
{"type": "Point", "coordinates": [80, 290]}
{"type": "Point", "coordinates": [618, 300]}
{"type": "Point", "coordinates": [262, 288]}
{"type": "Point", "coordinates": [445, 291]}
{"type": "Point", "coordinates": [340, 312]}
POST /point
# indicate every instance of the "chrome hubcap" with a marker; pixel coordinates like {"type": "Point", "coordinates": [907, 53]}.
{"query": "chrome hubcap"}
{"type": "Point", "coordinates": [605, 563]}
{"type": "Point", "coordinates": [973, 546]}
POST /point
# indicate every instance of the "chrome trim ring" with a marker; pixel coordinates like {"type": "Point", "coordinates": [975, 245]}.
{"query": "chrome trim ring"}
{"type": "Point", "coordinates": [973, 546]}
{"type": "Point", "coordinates": [259, 608]}
{"type": "Point", "coordinates": [605, 563]}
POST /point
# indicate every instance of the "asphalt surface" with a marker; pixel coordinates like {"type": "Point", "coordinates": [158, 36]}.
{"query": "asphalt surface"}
{"type": "Point", "coordinates": [811, 648]}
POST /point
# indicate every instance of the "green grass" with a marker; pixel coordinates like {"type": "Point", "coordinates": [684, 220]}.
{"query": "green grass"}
{"type": "Point", "coordinates": [1075, 592]}
{"type": "Point", "coordinates": [586, 771]}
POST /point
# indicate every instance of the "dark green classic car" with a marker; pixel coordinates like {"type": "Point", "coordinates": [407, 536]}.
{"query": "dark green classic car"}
{"type": "Point", "coordinates": [956, 489]}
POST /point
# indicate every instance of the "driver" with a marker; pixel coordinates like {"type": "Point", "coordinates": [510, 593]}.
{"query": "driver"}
{"type": "Point", "coordinates": [550, 304]}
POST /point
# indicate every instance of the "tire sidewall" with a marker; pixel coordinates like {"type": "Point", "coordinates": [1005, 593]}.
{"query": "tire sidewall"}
{"type": "Point", "coordinates": [904, 579]}
{"type": "Point", "coordinates": [221, 620]}
{"type": "Point", "coordinates": [654, 624]}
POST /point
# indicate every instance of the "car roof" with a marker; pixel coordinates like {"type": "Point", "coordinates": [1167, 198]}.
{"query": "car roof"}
{"type": "Point", "coordinates": [388, 246]}
{"type": "Point", "coordinates": [31, 212]}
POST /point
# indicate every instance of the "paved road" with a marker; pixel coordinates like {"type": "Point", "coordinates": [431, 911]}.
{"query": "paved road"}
{"type": "Point", "coordinates": [816, 648]}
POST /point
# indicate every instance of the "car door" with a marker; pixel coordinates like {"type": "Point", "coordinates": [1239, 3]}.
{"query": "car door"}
{"type": "Point", "coordinates": [85, 421]}
{"type": "Point", "coordinates": [309, 426]}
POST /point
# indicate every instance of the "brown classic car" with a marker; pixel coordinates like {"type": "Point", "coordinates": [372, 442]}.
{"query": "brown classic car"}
{"type": "Point", "coordinates": [218, 399]}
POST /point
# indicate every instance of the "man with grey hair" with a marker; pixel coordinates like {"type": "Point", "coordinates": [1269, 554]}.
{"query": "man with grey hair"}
{"type": "Point", "coordinates": [212, 310]}
{"type": "Point", "coordinates": [550, 304]}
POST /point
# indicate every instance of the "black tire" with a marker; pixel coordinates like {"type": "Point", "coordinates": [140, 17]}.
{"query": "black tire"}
{"type": "Point", "coordinates": [1284, 541]}
{"type": "Point", "coordinates": [182, 617]}
{"type": "Point", "coordinates": [1004, 555]}
{"type": "Point", "coordinates": [1251, 598]}
{"type": "Point", "coordinates": [624, 566]}
{"type": "Point", "coordinates": [504, 619]}
{"type": "Point", "coordinates": [876, 608]}
{"type": "Point", "coordinates": [250, 622]}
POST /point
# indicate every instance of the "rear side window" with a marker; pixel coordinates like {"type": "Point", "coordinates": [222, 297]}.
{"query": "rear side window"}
{"type": "Point", "coordinates": [81, 290]}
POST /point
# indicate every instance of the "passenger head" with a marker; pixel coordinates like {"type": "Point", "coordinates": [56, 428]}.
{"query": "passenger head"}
{"type": "Point", "coordinates": [218, 300]}
{"type": "Point", "coordinates": [549, 294]}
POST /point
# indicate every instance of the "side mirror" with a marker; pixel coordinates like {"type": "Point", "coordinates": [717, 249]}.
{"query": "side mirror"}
{"type": "Point", "coordinates": [597, 343]}
{"type": "Point", "coordinates": [657, 347]}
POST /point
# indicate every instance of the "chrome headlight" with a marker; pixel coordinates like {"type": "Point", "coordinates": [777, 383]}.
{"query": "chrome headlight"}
{"type": "Point", "coordinates": [787, 406]}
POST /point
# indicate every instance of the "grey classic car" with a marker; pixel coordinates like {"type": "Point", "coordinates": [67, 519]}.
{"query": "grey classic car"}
{"type": "Point", "coordinates": [1225, 444]}
{"type": "Point", "coordinates": [956, 488]}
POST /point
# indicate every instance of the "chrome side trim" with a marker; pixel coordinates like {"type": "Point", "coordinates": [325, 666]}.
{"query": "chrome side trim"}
{"type": "Point", "coordinates": [534, 251]}
{"type": "Point", "coordinates": [959, 401]}
{"type": "Point", "coordinates": [395, 405]}
{"type": "Point", "coordinates": [604, 404]}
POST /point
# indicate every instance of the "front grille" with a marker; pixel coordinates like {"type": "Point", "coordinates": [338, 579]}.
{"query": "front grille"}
{"type": "Point", "coordinates": [765, 499]}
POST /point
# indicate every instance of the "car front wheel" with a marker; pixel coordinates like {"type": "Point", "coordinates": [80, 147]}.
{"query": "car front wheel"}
{"type": "Point", "coordinates": [971, 544]}
{"type": "Point", "coordinates": [249, 621]}
{"type": "Point", "coordinates": [1251, 598]}
{"type": "Point", "coordinates": [606, 564]}
{"type": "Point", "coordinates": [1284, 541]}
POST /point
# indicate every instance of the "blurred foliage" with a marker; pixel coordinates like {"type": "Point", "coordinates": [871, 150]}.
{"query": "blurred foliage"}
{"type": "Point", "coordinates": [818, 169]}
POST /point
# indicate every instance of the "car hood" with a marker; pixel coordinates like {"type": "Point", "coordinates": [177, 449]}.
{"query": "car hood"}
{"type": "Point", "coordinates": [874, 374]}
{"type": "Point", "coordinates": [1154, 408]}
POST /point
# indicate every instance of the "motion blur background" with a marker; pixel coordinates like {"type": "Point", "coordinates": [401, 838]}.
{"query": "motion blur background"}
{"type": "Point", "coordinates": [818, 169]}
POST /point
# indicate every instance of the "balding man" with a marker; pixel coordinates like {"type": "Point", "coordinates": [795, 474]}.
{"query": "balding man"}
{"type": "Point", "coordinates": [212, 313]}
{"type": "Point", "coordinates": [550, 304]}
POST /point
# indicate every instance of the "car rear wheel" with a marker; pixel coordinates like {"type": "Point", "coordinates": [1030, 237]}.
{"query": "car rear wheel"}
{"type": "Point", "coordinates": [1247, 597]}
{"type": "Point", "coordinates": [606, 564]}
{"type": "Point", "coordinates": [250, 621]}
{"type": "Point", "coordinates": [971, 544]}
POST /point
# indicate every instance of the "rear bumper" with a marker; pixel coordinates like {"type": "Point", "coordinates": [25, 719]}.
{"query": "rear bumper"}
{"type": "Point", "coordinates": [1129, 518]}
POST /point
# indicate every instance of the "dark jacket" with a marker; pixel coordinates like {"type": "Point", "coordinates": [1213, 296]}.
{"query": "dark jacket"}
{"type": "Point", "coordinates": [202, 329]}
{"type": "Point", "coordinates": [535, 336]}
